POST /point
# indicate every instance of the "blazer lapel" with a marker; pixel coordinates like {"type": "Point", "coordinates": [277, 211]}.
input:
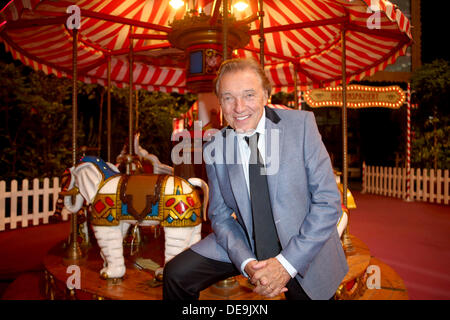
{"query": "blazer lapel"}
{"type": "Point", "coordinates": [237, 181]}
{"type": "Point", "coordinates": [274, 145]}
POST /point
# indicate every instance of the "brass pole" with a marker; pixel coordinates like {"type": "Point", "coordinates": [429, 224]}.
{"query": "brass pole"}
{"type": "Point", "coordinates": [348, 247]}
{"type": "Point", "coordinates": [344, 118]}
{"type": "Point", "coordinates": [100, 124]}
{"type": "Point", "coordinates": [225, 29]}
{"type": "Point", "coordinates": [224, 38]}
{"type": "Point", "coordinates": [261, 33]}
{"type": "Point", "coordinates": [136, 126]}
{"type": "Point", "coordinates": [130, 93]}
{"type": "Point", "coordinates": [108, 97]}
{"type": "Point", "coordinates": [73, 254]}
{"type": "Point", "coordinates": [74, 96]}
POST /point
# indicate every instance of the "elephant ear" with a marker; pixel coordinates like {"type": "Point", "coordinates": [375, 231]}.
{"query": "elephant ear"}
{"type": "Point", "coordinates": [88, 179]}
{"type": "Point", "coordinates": [204, 186]}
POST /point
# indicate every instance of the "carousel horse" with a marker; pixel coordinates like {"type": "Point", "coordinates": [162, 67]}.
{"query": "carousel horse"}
{"type": "Point", "coordinates": [119, 200]}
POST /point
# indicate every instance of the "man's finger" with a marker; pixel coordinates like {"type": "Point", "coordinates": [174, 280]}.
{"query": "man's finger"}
{"type": "Point", "coordinates": [259, 265]}
{"type": "Point", "coordinates": [276, 292]}
{"type": "Point", "coordinates": [263, 281]}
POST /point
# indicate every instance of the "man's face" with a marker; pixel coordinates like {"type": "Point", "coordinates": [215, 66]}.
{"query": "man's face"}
{"type": "Point", "coordinates": [242, 99]}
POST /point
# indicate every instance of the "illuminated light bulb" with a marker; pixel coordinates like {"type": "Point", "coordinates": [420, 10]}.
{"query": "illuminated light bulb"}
{"type": "Point", "coordinates": [176, 4]}
{"type": "Point", "coordinates": [240, 5]}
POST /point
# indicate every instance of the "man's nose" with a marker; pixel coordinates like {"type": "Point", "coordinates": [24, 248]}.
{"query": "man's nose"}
{"type": "Point", "coordinates": [239, 106]}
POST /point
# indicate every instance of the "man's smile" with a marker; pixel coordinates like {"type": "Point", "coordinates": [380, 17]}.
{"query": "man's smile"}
{"type": "Point", "coordinates": [241, 118]}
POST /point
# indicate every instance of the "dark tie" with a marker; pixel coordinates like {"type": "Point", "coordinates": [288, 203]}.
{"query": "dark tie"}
{"type": "Point", "coordinates": [264, 231]}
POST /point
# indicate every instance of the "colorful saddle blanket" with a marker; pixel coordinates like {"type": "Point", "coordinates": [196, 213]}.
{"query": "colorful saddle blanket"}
{"type": "Point", "coordinates": [147, 197]}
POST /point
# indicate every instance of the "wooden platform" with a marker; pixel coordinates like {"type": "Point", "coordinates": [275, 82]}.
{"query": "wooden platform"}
{"type": "Point", "coordinates": [138, 285]}
{"type": "Point", "coordinates": [392, 286]}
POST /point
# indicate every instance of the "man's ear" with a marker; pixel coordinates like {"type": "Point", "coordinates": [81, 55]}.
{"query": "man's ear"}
{"type": "Point", "coordinates": [266, 97]}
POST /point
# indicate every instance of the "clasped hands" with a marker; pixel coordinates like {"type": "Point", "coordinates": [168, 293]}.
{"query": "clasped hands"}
{"type": "Point", "coordinates": [268, 276]}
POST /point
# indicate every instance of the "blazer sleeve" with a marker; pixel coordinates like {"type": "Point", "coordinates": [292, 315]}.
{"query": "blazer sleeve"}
{"type": "Point", "coordinates": [229, 233]}
{"type": "Point", "coordinates": [320, 222]}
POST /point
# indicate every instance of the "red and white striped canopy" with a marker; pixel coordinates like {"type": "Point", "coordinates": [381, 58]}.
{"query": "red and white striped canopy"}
{"type": "Point", "coordinates": [301, 33]}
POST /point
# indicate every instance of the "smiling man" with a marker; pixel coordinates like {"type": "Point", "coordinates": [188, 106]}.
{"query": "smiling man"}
{"type": "Point", "coordinates": [283, 234]}
{"type": "Point", "coordinates": [241, 100]}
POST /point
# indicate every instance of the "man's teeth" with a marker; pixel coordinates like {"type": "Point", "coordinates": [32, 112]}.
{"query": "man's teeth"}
{"type": "Point", "coordinates": [242, 118]}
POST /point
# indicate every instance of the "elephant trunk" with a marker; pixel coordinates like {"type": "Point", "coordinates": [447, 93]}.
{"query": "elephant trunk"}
{"type": "Point", "coordinates": [73, 207]}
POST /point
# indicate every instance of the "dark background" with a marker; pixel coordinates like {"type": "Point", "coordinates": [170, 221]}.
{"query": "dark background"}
{"type": "Point", "coordinates": [376, 135]}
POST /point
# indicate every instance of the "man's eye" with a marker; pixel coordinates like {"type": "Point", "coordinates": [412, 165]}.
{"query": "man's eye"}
{"type": "Point", "coordinates": [250, 95]}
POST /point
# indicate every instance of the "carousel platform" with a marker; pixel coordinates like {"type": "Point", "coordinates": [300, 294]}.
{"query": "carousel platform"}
{"type": "Point", "coordinates": [139, 284]}
{"type": "Point", "coordinates": [408, 240]}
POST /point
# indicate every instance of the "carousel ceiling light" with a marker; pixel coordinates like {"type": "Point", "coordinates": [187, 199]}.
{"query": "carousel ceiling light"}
{"type": "Point", "coordinates": [176, 4]}
{"type": "Point", "coordinates": [241, 5]}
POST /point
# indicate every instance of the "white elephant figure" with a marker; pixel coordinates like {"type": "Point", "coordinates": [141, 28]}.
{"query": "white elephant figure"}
{"type": "Point", "coordinates": [119, 200]}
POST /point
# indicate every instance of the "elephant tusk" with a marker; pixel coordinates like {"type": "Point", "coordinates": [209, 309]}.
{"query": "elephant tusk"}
{"type": "Point", "coordinates": [70, 192]}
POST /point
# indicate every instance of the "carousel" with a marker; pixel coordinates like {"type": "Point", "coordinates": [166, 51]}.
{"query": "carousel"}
{"type": "Point", "coordinates": [128, 219]}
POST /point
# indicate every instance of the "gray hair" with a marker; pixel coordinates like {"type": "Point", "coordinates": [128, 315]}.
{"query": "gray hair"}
{"type": "Point", "coordinates": [240, 64]}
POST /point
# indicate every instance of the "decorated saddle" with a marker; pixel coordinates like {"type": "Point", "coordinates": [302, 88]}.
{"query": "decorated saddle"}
{"type": "Point", "coordinates": [166, 198]}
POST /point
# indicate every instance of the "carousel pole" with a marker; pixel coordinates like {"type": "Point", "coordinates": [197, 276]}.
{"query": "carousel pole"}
{"type": "Point", "coordinates": [108, 98]}
{"type": "Point", "coordinates": [135, 232]}
{"type": "Point", "coordinates": [73, 254]}
{"type": "Point", "coordinates": [408, 144]}
{"type": "Point", "coordinates": [136, 114]}
{"type": "Point", "coordinates": [130, 104]}
{"type": "Point", "coordinates": [261, 32]}
{"type": "Point", "coordinates": [224, 39]}
{"type": "Point", "coordinates": [74, 95]}
{"type": "Point", "coordinates": [100, 125]}
{"type": "Point", "coordinates": [348, 247]}
{"type": "Point", "coordinates": [225, 29]}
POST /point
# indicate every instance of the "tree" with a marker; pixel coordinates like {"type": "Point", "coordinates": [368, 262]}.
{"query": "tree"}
{"type": "Point", "coordinates": [156, 111]}
{"type": "Point", "coordinates": [431, 120]}
{"type": "Point", "coordinates": [36, 121]}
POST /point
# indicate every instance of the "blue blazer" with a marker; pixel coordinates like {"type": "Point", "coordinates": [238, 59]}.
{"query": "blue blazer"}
{"type": "Point", "coordinates": [306, 203]}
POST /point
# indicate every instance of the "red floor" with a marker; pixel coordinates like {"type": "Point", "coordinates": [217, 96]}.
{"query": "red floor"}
{"type": "Point", "coordinates": [413, 238]}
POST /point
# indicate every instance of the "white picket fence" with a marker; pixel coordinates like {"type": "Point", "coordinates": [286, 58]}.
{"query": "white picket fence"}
{"type": "Point", "coordinates": [31, 203]}
{"type": "Point", "coordinates": [425, 185]}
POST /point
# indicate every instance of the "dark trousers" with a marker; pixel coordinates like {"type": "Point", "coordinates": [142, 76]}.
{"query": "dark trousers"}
{"type": "Point", "coordinates": [189, 273]}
